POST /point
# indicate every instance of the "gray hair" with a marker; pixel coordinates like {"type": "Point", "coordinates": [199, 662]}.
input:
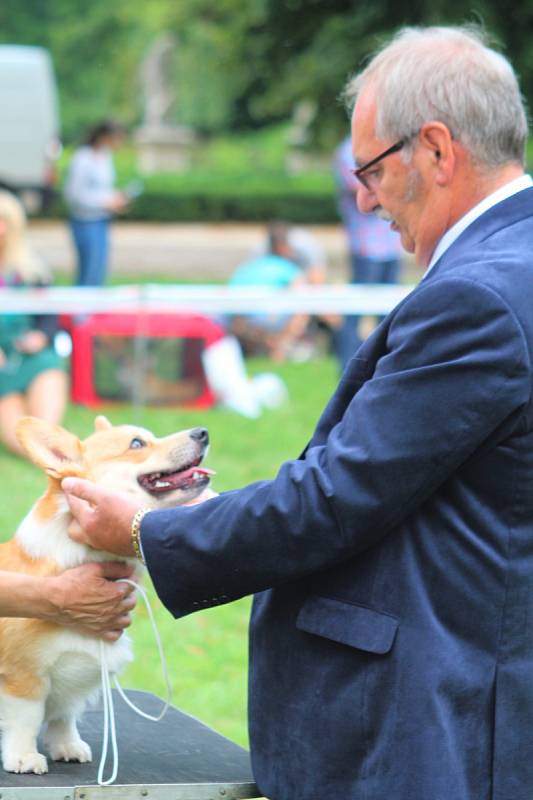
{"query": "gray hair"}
{"type": "Point", "coordinates": [448, 74]}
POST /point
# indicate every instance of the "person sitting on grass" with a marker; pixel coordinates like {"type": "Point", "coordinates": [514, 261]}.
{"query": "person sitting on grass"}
{"type": "Point", "coordinates": [276, 335]}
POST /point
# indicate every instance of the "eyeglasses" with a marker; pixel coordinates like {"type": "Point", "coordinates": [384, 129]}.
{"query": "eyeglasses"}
{"type": "Point", "coordinates": [366, 180]}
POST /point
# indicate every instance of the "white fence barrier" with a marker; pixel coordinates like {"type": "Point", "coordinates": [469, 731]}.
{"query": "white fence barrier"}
{"type": "Point", "coordinates": [204, 299]}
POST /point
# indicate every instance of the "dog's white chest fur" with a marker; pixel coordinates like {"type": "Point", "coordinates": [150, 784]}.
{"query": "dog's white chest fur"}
{"type": "Point", "coordinates": [70, 661]}
{"type": "Point", "coordinates": [51, 540]}
{"type": "Point", "coordinates": [73, 668]}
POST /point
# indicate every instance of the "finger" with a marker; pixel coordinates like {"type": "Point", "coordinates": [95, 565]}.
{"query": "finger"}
{"type": "Point", "coordinates": [74, 530]}
{"type": "Point", "coordinates": [115, 570]}
{"type": "Point", "coordinates": [130, 602]}
{"type": "Point", "coordinates": [82, 514]}
{"type": "Point", "coordinates": [82, 489]}
{"type": "Point", "coordinates": [112, 636]}
{"type": "Point", "coordinates": [126, 593]}
{"type": "Point", "coordinates": [78, 506]}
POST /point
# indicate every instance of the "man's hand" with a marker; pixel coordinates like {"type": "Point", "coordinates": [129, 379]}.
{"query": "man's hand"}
{"type": "Point", "coordinates": [104, 518]}
{"type": "Point", "coordinates": [89, 599]}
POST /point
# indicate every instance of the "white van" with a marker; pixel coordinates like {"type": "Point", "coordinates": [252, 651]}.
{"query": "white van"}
{"type": "Point", "coordinates": [29, 133]}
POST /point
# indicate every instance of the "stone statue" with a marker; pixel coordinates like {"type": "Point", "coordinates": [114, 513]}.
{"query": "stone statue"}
{"type": "Point", "coordinates": [162, 144]}
{"type": "Point", "coordinates": [301, 156]}
{"type": "Point", "coordinates": [157, 83]}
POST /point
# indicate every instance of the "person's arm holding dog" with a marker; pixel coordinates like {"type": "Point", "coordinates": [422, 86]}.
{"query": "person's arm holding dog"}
{"type": "Point", "coordinates": [105, 518]}
{"type": "Point", "coordinates": [87, 598]}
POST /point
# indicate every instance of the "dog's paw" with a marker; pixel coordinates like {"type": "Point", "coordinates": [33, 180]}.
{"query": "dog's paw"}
{"type": "Point", "coordinates": [71, 751]}
{"type": "Point", "coordinates": [30, 762]}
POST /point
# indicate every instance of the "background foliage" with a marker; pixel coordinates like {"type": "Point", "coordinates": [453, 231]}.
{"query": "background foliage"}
{"type": "Point", "coordinates": [240, 176]}
{"type": "Point", "coordinates": [242, 73]}
{"type": "Point", "coordinates": [238, 65]}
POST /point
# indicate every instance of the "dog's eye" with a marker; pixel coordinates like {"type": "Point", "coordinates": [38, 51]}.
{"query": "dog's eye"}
{"type": "Point", "coordinates": [136, 443]}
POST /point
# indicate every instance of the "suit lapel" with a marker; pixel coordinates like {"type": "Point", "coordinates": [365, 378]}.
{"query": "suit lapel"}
{"type": "Point", "coordinates": [510, 211]}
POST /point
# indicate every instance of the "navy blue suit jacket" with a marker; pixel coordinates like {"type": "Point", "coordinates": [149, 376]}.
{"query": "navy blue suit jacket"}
{"type": "Point", "coordinates": [391, 640]}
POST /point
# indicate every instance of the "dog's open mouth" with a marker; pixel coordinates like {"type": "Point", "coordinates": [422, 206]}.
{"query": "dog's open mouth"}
{"type": "Point", "coordinates": [190, 477]}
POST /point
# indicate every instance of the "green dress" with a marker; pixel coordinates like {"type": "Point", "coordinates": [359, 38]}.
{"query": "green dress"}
{"type": "Point", "coordinates": [20, 369]}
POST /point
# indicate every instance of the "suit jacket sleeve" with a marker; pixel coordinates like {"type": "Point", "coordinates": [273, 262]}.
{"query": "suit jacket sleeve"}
{"type": "Point", "coordinates": [456, 367]}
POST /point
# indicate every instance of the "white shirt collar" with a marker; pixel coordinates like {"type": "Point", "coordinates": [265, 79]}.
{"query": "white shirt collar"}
{"type": "Point", "coordinates": [513, 187]}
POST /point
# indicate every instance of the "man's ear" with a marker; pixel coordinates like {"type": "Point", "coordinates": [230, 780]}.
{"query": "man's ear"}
{"type": "Point", "coordinates": [51, 447]}
{"type": "Point", "coordinates": [101, 423]}
{"type": "Point", "coordinates": [437, 140]}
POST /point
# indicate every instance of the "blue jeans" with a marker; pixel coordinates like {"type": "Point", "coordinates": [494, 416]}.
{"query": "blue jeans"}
{"type": "Point", "coordinates": [346, 338]}
{"type": "Point", "coordinates": [92, 246]}
{"type": "Point", "coordinates": [366, 270]}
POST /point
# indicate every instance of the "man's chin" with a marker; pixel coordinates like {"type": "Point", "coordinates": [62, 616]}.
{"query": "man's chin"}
{"type": "Point", "coordinates": [408, 243]}
{"type": "Point", "coordinates": [422, 256]}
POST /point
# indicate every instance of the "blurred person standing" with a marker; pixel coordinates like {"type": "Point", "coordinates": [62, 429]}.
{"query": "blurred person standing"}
{"type": "Point", "coordinates": [92, 199]}
{"type": "Point", "coordinates": [374, 249]}
{"type": "Point", "coordinates": [32, 380]}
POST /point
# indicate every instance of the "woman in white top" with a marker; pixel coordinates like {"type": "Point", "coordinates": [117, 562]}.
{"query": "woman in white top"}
{"type": "Point", "coordinates": [92, 198]}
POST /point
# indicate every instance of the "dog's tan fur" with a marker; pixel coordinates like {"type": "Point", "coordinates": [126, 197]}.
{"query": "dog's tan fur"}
{"type": "Point", "coordinates": [48, 672]}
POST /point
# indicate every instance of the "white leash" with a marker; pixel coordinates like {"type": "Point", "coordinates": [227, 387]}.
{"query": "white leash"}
{"type": "Point", "coordinates": [107, 695]}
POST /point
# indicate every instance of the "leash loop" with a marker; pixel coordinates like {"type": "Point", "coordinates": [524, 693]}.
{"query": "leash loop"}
{"type": "Point", "coordinates": [107, 696]}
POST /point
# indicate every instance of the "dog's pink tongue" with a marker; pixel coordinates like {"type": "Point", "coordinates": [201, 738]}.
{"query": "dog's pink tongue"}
{"type": "Point", "coordinates": [187, 476]}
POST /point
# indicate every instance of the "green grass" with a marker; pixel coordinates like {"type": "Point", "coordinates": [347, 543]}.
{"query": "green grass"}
{"type": "Point", "coordinates": [140, 277]}
{"type": "Point", "coordinates": [207, 651]}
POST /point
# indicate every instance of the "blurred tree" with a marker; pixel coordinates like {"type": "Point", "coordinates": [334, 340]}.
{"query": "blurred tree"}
{"type": "Point", "coordinates": [313, 46]}
{"type": "Point", "coordinates": [217, 60]}
{"type": "Point", "coordinates": [96, 48]}
{"type": "Point", "coordinates": [247, 65]}
{"type": "Point", "coordinates": [238, 65]}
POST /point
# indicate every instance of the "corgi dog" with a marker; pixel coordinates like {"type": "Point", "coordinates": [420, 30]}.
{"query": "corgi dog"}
{"type": "Point", "coordinates": [48, 672]}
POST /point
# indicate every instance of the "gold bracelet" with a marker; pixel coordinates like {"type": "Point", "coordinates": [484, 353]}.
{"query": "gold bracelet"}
{"type": "Point", "coordinates": [136, 532]}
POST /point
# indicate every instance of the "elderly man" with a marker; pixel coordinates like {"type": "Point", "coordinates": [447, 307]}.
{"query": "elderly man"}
{"type": "Point", "coordinates": [392, 633]}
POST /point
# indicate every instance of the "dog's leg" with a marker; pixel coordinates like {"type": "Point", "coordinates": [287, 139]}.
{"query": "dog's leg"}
{"type": "Point", "coordinates": [64, 743]}
{"type": "Point", "coordinates": [21, 719]}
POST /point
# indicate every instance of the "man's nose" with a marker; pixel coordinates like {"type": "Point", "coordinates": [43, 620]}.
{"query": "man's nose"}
{"type": "Point", "coordinates": [366, 200]}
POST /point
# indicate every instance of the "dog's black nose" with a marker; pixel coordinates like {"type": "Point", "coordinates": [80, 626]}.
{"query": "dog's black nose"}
{"type": "Point", "coordinates": [200, 435]}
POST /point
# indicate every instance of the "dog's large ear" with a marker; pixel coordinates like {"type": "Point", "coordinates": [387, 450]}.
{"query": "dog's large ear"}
{"type": "Point", "coordinates": [101, 423]}
{"type": "Point", "coordinates": [49, 446]}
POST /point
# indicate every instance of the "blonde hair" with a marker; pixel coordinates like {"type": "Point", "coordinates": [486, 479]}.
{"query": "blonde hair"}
{"type": "Point", "coordinates": [15, 254]}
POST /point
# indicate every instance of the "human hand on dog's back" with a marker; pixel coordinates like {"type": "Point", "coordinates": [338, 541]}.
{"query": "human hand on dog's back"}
{"type": "Point", "coordinates": [89, 599]}
{"type": "Point", "coordinates": [104, 518]}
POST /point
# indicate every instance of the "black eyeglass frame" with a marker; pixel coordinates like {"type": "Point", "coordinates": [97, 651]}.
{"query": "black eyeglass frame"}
{"type": "Point", "coordinates": [395, 148]}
